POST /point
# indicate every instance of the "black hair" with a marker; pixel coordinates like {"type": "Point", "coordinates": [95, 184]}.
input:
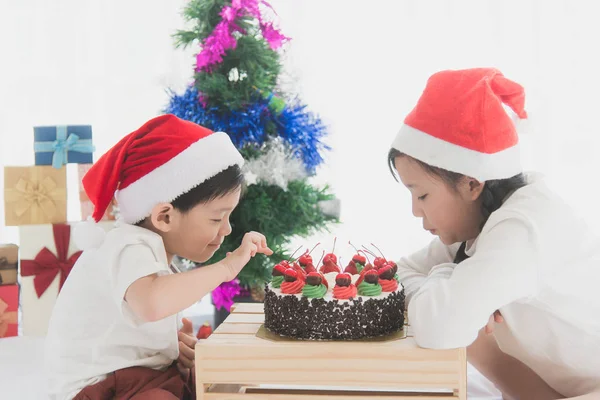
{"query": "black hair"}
{"type": "Point", "coordinates": [219, 185]}
{"type": "Point", "coordinates": [494, 191]}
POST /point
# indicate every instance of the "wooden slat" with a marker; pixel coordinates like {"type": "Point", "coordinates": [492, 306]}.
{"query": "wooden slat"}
{"type": "Point", "coordinates": [237, 318]}
{"type": "Point", "coordinates": [229, 336]}
{"type": "Point", "coordinates": [220, 347]}
{"type": "Point", "coordinates": [351, 366]}
{"type": "Point", "coordinates": [326, 396]}
{"type": "Point", "coordinates": [462, 374]}
{"type": "Point", "coordinates": [247, 308]}
{"type": "Point", "coordinates": [366, 379]}
{"type": "Point", "coordinates": [406, 345]}
{"type": "Point", "coordinates": [256, 393]}
{"type": "Point", "coordinates": [237, 328]}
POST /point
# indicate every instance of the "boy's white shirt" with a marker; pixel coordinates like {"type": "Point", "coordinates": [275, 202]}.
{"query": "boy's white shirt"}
{"type": "Point", "coordinates": [93, 331]}
{"type": "Point", "coordinates": [536, 262]}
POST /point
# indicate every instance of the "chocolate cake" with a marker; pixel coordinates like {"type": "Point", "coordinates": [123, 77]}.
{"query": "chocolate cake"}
{"type": "Point", "coordinates": [325, 304]}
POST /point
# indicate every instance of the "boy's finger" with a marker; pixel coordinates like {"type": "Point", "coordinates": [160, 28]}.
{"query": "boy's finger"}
{"type": "Point", "coordinates": [185, 362]}
{"type": "Point", "coordinates": [186, 351]}
{"type": "Point", "coordinates": [187, 339]}
{"type": "Point", "coordinates": [267, 251]}
{"type": "Point", "coordinates": [187, 327]}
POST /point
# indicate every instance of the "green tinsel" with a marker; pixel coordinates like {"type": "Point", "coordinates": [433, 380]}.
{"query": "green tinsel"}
{"type": "Point", "coordinates": [204, 15]}
{"type": "Point", "coordinates": [253, 58]}
{"type": "Point", "coordinates": [258, 67]}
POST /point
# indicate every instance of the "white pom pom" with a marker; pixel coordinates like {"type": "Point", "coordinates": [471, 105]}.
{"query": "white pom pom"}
{"type": "Point", "coordinates": [88, 235]}
{"type": "Point", "coordinates": [523, 126]}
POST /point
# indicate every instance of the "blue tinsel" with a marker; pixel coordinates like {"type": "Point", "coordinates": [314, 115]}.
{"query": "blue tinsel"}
{"type": "Point", "coordinates": [297, 126]}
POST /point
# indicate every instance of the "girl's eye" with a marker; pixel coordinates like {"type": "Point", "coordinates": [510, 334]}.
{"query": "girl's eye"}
{"type": "Point", "coordinates": [422, 197]}
{"type": "Point", "coordinates": [216, 220]}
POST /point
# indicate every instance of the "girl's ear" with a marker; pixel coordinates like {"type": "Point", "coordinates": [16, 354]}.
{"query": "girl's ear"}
{"type": "Point", "coordinates": [475, 188]}
{"type": "Point", "coordinates": [163, 217]}
{"type": "Point", "coordinates": [470, 188]}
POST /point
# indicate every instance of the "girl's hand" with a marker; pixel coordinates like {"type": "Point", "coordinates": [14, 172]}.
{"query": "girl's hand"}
{"type": "Point", "coordinates": [252, 243]}
{"type": "Point", "coordinates": [495, 318]}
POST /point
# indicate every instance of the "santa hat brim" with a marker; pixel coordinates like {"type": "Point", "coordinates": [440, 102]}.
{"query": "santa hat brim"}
{"type": "Point", "coordinates": [442, 154]}
{"type": "Point", "coordinates": [197, 163]}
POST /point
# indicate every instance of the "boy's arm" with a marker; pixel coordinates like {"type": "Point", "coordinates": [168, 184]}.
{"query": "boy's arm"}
{"type": "Point", "coordinates": [154, 297]}
{"type": "Point", "coordinates": [413, 269]}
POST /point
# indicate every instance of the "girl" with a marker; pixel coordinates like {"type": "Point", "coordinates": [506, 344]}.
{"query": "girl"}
{"type": "Point", "coordinates": [114, 329]}
{"type": "Point", "coordinates": [507, 249]}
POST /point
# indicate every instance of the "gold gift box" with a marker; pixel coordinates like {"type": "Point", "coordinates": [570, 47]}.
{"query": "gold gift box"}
{"type": "Point", "coordinates": [35, 195]}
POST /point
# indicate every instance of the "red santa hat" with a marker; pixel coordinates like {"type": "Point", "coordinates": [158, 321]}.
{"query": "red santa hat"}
{"type": "Point", "coordinates": [460, 124]}
{"type": "Point", "coordinates": [157, 163]}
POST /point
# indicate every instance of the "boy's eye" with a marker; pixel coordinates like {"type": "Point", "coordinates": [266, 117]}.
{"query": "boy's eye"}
{"type": "Point", "coordinates": [216, 220]}
{"type": "Point", "coordinates": [422, 197]}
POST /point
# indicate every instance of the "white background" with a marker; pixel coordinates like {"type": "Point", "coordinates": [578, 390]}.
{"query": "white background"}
{"type": "Point", "coordinates": [109, 63]}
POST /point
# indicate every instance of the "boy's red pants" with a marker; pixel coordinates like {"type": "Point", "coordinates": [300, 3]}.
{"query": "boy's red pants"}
{"type": "Point", "coordinates": [138, 383]}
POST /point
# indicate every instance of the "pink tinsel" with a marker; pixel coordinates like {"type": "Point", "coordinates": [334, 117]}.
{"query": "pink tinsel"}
{"type": "Point", "coordinates": [221, 38]}
{"type": "Point", "coordinates": [222, 296]}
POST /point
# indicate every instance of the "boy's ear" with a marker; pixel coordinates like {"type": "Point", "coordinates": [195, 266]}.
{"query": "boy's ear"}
{"type": "Point", "coordinates": [163, 217]}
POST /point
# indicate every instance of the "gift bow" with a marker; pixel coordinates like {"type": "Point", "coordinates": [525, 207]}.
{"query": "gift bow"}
{"type": "Point", "coordinates": [47, 265]}
{"type": "Point", "coordinates": [34, 193]}
{"type": "Point", "coordinates": [6, 318]}
{"type": "Point", "coordinates": [62, 145]}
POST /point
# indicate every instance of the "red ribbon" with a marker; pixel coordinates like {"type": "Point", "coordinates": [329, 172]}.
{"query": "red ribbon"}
{"type": "Point", "coordinates": [47, 265]}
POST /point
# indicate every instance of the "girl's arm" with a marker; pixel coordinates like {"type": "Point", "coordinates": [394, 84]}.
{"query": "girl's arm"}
{"type": "Point", "coordinates": [513, 378]}
{"type": "Point", "coordinates": [459, 299]}
{"type": "Point", "coordinates": [413, 269]}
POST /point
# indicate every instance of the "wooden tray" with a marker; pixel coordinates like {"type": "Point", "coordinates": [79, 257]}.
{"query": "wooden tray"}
{"type": "Point", "coordinates": [235, 363]}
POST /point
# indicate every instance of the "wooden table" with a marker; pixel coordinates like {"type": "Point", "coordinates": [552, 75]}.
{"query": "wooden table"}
{"type": "Point", "coordinates": [233, 363]}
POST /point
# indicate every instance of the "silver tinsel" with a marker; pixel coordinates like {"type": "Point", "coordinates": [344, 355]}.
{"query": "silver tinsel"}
{"type": "Point", "coordinates": [276, 166]}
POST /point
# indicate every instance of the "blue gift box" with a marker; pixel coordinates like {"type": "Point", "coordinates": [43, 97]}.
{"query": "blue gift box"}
{"type": "Point", "coordinates": [62, 144]}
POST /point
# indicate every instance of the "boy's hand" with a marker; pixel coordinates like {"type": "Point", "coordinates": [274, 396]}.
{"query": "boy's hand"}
{"type": "Point", "coordinates": [252, 243]}
{"type": "Point", "coordinates": [187, 344]}
{"type": "Point", "coordinates": [495, 318]}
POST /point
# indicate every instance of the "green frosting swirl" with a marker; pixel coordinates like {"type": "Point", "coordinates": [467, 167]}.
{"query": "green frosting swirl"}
{"type": "Point", "coordinates": [397, 278]}
{"type": "Point", "coordinates": [316, 292]}
{"type": "Point", "coordinates": [277, 281]}
{"type": "Point", "coordinates": [359, 267]}
{"type": "Point", "coordinates": [369, 289]}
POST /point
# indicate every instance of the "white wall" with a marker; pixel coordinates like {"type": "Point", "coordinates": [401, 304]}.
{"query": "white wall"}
{"type": "Point", "coordinates": [361, 68]}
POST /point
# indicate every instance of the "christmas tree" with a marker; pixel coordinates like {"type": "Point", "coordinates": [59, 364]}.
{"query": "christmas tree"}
{"type": "Point", "coordinates": [236, 90]}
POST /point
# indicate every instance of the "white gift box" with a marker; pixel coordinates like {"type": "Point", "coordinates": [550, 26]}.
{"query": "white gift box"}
{"type": "Point", "coordinates": [36, 311]}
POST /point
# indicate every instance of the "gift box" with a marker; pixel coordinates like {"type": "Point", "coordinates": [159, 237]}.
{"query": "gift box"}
{"type": "Point", "coordinates": [62, 144]}
{"type": "Point", "coordinates": [9, 304]}
{"type": "Point", "coordinates": [35, 195]}
{"type": "Point", "coordinates": [87, 207]}
{"type": "Point", "coordinates": [9, 260]}
{"type": "Point", "coordinates": [48, 254]}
